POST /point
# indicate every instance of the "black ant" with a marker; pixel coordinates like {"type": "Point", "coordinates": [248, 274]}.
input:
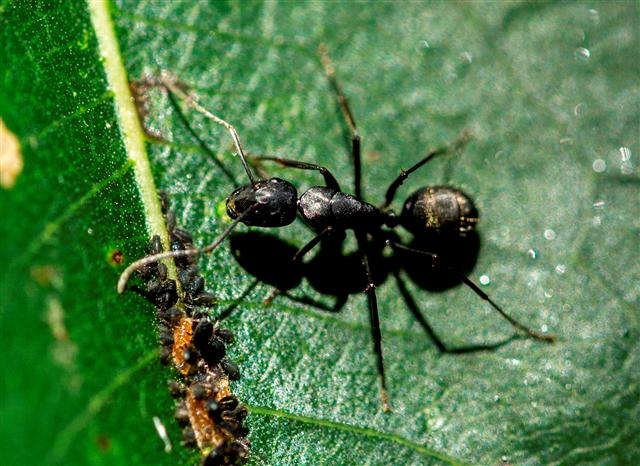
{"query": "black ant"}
{"type": "Point", "coordinates": [439, 211]}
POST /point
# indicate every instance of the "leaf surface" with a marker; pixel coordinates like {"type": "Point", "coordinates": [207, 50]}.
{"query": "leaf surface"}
{"type": "Point", "coordinates": [550, 95]}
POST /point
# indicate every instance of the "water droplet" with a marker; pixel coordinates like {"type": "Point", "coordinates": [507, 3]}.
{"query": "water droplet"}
{"type": "Point", "coordinates": [596, 221]}
{"type": "Point", "coordinates": [424, 44]}
{"type": "Point", "coordinates": [561, 268]}
{"type": "Point", "coordinates": [549, 234]}
{"type": "Point", "coordinates": [548, 293]}
{"type": "Point", "coordinates": [583, 54]}
{"type": "Point", "coordinates": [532, 253]}
{"type": "Point", "coordinates": [578, 110]}
{"type": "Point", "coordinates": [626, 168]}
{"type": "Point", "coordinates": [496, 398]}
{"type": "Point", "coordinates": [598, 204]}
{"type": "Point", "coordinates": [544, 328]}
{"type": "Point", "coordinates": [567, 386]}
{"type": "Point", "coordinates": [504, 459]}
{"type": "Point", "coordinates": [466, 56]}
{"type": "Point", "coordinates": [599, 165]}
{"type": "Point", "coordinates": [90, 231]}
{"type": "Point", "coordinates": [485, 280]}
{"type": "Point", "coordinates": [625, 153]}
{"type": "Point", "coordinates": [594, 16]}
{"type": "Point", "coordinates": [107, 125]}
{"type": "Point", "coordinates": [437, 423]}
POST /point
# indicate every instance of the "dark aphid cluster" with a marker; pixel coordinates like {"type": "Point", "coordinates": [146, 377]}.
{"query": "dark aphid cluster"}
{"type": "Point", "coordinates": [210, 415]}
{"type": "Point", "coordinates": [430, 214]}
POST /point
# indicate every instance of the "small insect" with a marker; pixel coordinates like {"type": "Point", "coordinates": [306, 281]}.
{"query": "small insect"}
{"type": "Point", "coordinates": [432, 211]}
{"type": "Point", "coordinates": [210, 415]}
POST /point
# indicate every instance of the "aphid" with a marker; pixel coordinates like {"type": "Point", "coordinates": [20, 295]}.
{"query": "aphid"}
{"type": "Point", "coordinates": [429, 212]}
{"type": "Point", "coordinates": [231, 369]}
{"type": "Point", "coordinates": [176, 389]}
{"type": "Point", "coordinates": [196, 347]}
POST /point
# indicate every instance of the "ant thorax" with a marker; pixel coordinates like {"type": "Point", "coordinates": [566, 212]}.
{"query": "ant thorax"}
{"type": "Point", "coordinates": [322, 207]}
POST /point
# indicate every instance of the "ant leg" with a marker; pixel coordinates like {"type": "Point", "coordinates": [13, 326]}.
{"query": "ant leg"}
{"type": "Point", "coordinates": [460, 142]}
{"type": "Point", "coordinates": [172, 84]}
{"type": "Point", "coordinates": [348, 118]}
{"type": "Point", "coordinates": [329, 179]}
{"type": "Point", "coordinates": [413, 307]}
{"type": "Point", "coordinates": [481, 294]}
{"type": "Point", "coordinates": [297, 257]}
{"type": "Point", "coordinates": [375, 321]}
{"type": "Point", "coordinates": [126, 274]}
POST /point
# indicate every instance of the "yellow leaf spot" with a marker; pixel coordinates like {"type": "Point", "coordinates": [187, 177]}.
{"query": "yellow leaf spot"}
{"type": "Point", "coordinates": [10, 157]}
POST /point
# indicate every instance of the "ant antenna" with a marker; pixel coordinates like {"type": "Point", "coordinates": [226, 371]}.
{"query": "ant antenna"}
{"type": "Point", "coordinates": [480, 293]}
{"type": "Point", "coordinates": [171, 83]}
{"type": "Point", "coordinates": [126, 274]}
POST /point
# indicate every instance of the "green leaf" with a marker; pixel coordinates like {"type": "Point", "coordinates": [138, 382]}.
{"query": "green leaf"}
{"type": "Point", "coordinates": [550, 92]}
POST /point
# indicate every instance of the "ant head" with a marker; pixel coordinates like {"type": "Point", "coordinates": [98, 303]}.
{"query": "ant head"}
{"type": "Point", "coordinates": [439, 210]}
{"type": "Point", "coordinates": [274, 203]}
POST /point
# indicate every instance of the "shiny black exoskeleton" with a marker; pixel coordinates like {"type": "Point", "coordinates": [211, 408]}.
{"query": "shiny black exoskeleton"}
{"type": "Point", "coordinates": [267, 203]}
{"type": "Point", "coordinates": [273, 203]}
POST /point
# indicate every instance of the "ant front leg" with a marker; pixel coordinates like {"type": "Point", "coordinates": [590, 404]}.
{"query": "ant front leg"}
{"type": "Point", "coordinates": [370, 290]}
{"type": "Point", "coordinates": [329, 179]}
{"type": "Point", "coordinates": [297, 257]}
{"type": "Point", "coordinates": [350, 121]}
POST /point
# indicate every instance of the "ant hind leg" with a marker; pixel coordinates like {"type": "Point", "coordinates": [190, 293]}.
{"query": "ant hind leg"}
{"type": "Point", "coordinates": [442, 347]}
{"type": "Point", "coordinates": [516, 324]}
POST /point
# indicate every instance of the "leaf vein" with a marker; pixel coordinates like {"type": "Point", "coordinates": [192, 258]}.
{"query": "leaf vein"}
{"type": "Point", "coordinates": [356, 430]}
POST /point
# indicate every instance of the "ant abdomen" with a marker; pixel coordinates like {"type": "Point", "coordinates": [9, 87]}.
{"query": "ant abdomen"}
{"type": "Point", "coordinates": [438, 210]}
{"type": "Point", "coordinates": [267, 203]}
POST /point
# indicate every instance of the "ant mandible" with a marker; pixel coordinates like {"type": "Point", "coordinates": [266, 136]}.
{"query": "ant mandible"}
{"type": "Point", "coordinates": [329, 211]}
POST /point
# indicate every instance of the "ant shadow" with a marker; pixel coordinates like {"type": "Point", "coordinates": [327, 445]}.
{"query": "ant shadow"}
{"type": "Point", "coordinates": [333, 273]}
